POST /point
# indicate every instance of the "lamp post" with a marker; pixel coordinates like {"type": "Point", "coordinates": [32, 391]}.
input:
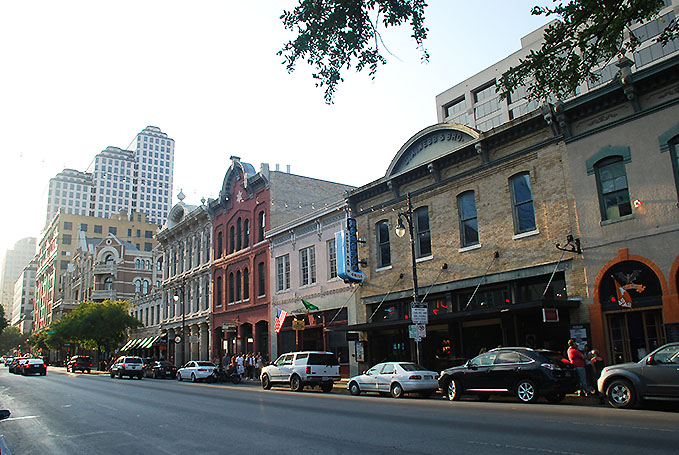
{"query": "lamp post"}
{"type": "Point", "coordinates": [175, 297]}
{"type": "Point", "coordinates": [400, 231]}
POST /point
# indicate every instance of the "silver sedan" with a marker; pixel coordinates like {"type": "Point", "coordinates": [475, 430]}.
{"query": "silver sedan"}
{"type": "Point", "coordinates": [396, 378]}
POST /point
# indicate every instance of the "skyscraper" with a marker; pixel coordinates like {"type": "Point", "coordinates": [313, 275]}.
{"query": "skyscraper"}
{"type": "Point", "coordinates": [134, 180]}
{"type": "Point", "coordinates": [12, 265]}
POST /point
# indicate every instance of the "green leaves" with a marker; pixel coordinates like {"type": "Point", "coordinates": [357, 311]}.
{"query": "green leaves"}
{"type": "Point", "coordinates": [334, 35]}
{"type": "Point", "coordinates": [587, 35]}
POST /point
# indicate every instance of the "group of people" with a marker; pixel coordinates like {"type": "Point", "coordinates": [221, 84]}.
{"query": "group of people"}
{"type": "Point", "coordinates": [588, 366]}
{"type": "Point", "coordinates": [248, 366]}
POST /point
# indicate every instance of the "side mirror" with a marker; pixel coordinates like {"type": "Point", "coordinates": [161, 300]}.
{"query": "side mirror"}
{"type": "Point", "coordinates": [4, 414]}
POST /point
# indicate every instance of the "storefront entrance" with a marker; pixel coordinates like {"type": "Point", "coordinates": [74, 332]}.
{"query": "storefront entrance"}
{"type": "Point", "coordinates": [634, 334]}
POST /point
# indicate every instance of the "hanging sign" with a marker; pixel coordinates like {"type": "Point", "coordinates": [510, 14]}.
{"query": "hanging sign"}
{"type": "Point", "coordinates": [298, 324]}
{"type": "Point", "coordinates": [550, 315]}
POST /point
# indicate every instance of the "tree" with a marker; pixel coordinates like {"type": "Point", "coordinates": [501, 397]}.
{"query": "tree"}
{"type": "Point", "coordinates": [11, 338]}
{"type": "Point", "coordinates": [3, 321]}
{"type": "Point", "coordinates": [333, 35]}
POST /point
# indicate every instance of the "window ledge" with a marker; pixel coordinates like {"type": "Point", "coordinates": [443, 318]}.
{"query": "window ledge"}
{"type": "Point", "coordinates": [469, 248]}
{"type": "Point", "coordinates": [424, 259]}
{"type": "Point", "coordinates": [381, 269]}
{"type": "Point", "coordinates": [617, 220]}
{"type": "Point", "coordinates": [526, 234]}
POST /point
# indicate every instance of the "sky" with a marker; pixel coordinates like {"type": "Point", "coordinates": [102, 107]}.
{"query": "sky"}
{"type": "Point", "coordinates": [78, 76]}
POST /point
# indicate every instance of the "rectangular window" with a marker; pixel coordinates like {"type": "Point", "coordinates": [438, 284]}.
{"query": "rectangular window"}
{"type": "Point", "coordinates": [422, 232]}
{"type": "Point", "coordinates": [613, 190]}
{"type": "Point", "coordinates": [307, 265]}
{"type": "Point", "coordinates": [68, 226]}
{"type": "Point", "coordinates": [261, 279]}
{"type": "Point", "coordinates": [148, 234]}
{"type": "Point", "coordinates": [148, 246]}
{"type": "Point", "coordinates": [283, 273]}
{"type": "Point", "coordinates": [383, 246]}
{"type": "Point", "coordinates": [97, 229]}
{"type": "Point", "coordinates": [83, 226]}
{"type": "Point", "coordinates": [66, 239]}
{"type": "Point", "coordinates": [522, 203]}
{"type": "Point", "coordinates": [112, 230]}
{"type": "Point", "coordinates": [469, 228]}
{"type": "Point", "coordinates": [218, 292]}
{"type": "Point", "coordinates": [332, 259]}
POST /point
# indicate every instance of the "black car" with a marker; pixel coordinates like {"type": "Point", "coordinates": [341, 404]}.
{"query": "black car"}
{"type": "Point", "coordinates": [523, 372]}
{"type": "Point", "coordinates": [160, 369]}
{"type": "Point", "coordinates": [82, 363]}
{"type": "Point", "coordinates": [655, 377]}
{"type": "Point", "coordinates": [33, 366]}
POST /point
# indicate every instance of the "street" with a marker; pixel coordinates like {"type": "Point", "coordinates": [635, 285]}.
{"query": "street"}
{"type": "Point", "coordinates": [65, 413]}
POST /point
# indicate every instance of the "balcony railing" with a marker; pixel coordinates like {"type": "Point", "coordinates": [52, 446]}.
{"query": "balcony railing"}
{"type": "Point", "coordinates": [104, 294]}
{"type": "Point", "coordinates": [106, 269]}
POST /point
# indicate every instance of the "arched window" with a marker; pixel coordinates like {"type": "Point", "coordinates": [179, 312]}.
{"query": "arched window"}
{"type": "Point", "coordinates": [383, 246]}
{"type": "Point", "coordinates": [422, 232]}
{"type": "Point", "coordinates": [220, 244]}
{"type": "Point", "coordinates": [189, 254]}
{"type": "Point", "coordinates": [206, 297]}
{"type": "Point", "coordinates": [469, 228]}
{"type": "Point", "coordinates": [108, 259]}
{"type": "Point", "coordinates": [219, 289]}
{"type": "Point", "coordinates": [261, 280]}
{"type": "Point", "coordinates": [522, 203]}
{"type": "Point", "coordinates": [238, 286]}
{"type": "Point", "coordinates": [108, 283]}
{"type": "Point", "coordinates": [231, 288]}
{"type": "Point", "coordinates": [246, 284]}
{"type": "Point", "coordinates": [145, 287]}
{"type": "Point", "coordinates": [137, 286]}
{"type": "Point", "coordinates": [159, 265]}
{"type": "Point", "coordinates": [136, 264]}
{"type": "Point", "coordinates": [261, 223]}
{"type": "Point", "coordinates": [239, 234]}
{"type": "Point", "coordinates": [198, 240]}
{"type": "Point", "coordinates": [232, 240]}
{"type": "Point", "coordinates": [612, 187]}
{"type": "Point", "coordinates": [246, 233]}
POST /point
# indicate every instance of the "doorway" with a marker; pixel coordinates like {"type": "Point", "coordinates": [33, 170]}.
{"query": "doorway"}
{"type": "Point", "coordinates": [633, 334]}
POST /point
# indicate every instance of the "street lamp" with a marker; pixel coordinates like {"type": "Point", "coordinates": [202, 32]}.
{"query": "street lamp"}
{"type": "Point", "coordinates": [175, 297]}
{"type": "Point", "coordinates": [400, 231]}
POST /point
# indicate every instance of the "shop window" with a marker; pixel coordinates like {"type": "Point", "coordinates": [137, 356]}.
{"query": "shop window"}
{"type": "Point", "coordinates": [422, 232]}
{"type": "Point", "coordinates": [612, 187]}
{"type": "Point", "coordinates": [469, 228]}
{"type": "Point", "coordinates": [522, 203]}
{"type": "Point", "coordinates": [383, 246]}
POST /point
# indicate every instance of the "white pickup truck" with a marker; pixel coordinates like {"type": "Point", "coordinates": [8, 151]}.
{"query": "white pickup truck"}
{"type": "Point", "coordinates": [300, 369]}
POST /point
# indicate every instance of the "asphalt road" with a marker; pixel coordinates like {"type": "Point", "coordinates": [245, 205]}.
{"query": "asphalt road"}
{"type": "Point", "coordinates": [65, 413]}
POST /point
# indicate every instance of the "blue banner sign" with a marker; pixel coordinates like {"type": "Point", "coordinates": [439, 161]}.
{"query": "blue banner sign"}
{"type": "Point", "coordinates": [346, 242]}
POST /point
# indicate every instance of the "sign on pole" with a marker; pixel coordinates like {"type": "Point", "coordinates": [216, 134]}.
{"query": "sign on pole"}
{"type": "Point", "coordinates": [419, 313]}
{"type": "Point", "coordinates": [412, 331]}
{"type": "Point", "coordinates": [421, 330]}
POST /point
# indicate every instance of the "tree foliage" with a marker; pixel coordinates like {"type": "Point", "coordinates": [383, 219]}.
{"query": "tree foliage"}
{"type": "Point", "coordinates": [11, 338]}
{"type": "Point", "coordinates": [334, 35]}
{"type": "Point", "coordinates": [3, 321]}
{"type": "Point", "coordinates": [587, 35]}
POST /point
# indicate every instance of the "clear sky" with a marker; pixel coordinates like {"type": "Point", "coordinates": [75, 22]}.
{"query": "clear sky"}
{"type": "Point", "coordinates": [78, 76]}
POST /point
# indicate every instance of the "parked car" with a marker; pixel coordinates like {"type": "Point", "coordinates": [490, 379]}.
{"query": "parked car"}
{"type": "Point", "coordinates": [16, 365]}
{"type": "Point", "coordinates": [8, 361]}
{"type": "Point", "coordinates": [300, 369]}
{"type": "Point", "coordinates": [397, 378]}
{"type": "Point", "coordinates": [81, 363]}
{"type": "Point", "coordinates": [127, 366]}
{"type": "Point", "coordinates": [523, 372]}
{"type": "Point", "coordinates": [33, 366]}
{"type": "Point", "coordinates": [160, 369]}
{"type": "Point", "coordinates": [655, 377]}
{"type": "Point", "coordinates": [196, 370]}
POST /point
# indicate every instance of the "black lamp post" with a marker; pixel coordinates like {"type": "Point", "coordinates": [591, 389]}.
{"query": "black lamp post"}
{"type": "Point", "coordinates": [183, 342]}
{"type": "Point", "coordinates": [400, 231]}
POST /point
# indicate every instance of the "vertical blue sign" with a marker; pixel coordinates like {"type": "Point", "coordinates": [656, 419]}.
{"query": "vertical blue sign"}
{"type": "Point", "coordinates": [346, 242]}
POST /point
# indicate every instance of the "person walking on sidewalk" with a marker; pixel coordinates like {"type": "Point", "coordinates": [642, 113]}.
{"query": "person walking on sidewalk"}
{"type": "Point", "coordinates": [577, 359]}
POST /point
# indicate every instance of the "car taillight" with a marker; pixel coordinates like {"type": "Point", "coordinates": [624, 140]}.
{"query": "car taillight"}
{"type": "Point", "coordinates": [202, 369]}
{"type": "Point", "coordinates": [122, 365]}
{"type": "Point", "coordinates": [308, 370]}
{"type": "Point", "coordinates": [90, 364]}
{"type": "Point", "coordinates": [415, 376]}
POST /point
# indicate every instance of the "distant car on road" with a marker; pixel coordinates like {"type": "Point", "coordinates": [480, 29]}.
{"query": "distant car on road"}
{"type": "Point", "coordinates": [81, 363]}
{"type": "Point", "coordinates": [33, 366]}
{"type": "Point", "coordinates": [15, 366]}
{"type": "Point", "coordinates": [300, 369]}
{"type": "Point", "coordinates": [655, 377]}
{"type": "Point", "coordinates": [127, 366]}
{"type": "Point", "coordinates": [160, 369]}
{"type": "Point", "coordinates": [196, 370]}
{"type": "Point", "coordinates": [523, 372]}
{"type": "Point", "coordinates": [396, 378]}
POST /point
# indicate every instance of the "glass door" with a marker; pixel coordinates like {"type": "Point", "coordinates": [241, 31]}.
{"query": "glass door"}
{"type": "Point", "coordinates": [634, 334]}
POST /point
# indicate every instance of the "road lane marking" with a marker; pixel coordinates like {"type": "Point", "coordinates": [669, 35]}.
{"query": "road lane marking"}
{"type": "Point", "coordinates": [20, 418]}
{"type": "Point", "coordinates": [524, 448]}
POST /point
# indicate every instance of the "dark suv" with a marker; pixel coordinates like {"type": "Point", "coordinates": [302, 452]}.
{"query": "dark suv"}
{"type": "Point", "coordinates": [523, 372]}
{"type": "Point", "coordinates": [655, 377]}
{"type": "Point", "coordinates": [79, 363]}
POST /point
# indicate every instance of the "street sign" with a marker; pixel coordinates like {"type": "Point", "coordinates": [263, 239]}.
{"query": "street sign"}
{"type": "Point", "coordinates": [298, 324]}
{"type": "Point", "coordinates": [412, 331]}
{"type": "Point", "coordinates": [418, 313]}
{"type": "Point", "coordinates": [421, 330]}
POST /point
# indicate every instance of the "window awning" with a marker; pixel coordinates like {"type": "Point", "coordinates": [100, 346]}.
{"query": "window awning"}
{"type": "Point", "coordinates": [127, 345]}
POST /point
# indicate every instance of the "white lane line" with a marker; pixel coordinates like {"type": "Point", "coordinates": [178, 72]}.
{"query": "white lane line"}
{"type": "Point", "coordinates": [20, 418]}
{"type": "Point", "coordinates": [523, 448]}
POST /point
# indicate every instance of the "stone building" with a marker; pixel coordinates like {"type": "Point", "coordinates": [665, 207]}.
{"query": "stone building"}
{"type": "Point", "coordinates": [305, 270]}
{"type": "Point", "coordinates": [487, 211]}
{"type": "Point", "coordinates": [186, 239]}
{"type": "Point", "coordinates": [249, 204]}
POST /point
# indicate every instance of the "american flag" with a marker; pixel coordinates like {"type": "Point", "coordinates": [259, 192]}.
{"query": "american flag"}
{"type": "Point", "coordinates": [282, 314]}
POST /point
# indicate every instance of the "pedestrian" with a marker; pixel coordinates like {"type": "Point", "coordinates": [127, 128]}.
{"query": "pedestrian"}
{"type": "Point", "coordinates": [597, 363]}
{"type": "Point", "coordinates": [251, 366]}
{"type": "Point", "coordinates": [577, 359]}
{"type": "Point", "coordinates": [240, 364]}
{"type": "Point", "coordinates": [258, 365]}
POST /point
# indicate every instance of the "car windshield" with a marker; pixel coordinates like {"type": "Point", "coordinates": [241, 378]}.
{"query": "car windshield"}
{"type": "Point", "coordinates": [205, 364]}
{"type": "Point", "coordinates": [412, 367]}
{"type": "Point", "coordinates": [35, 362]}
{"type": "Point", "coordinates": [322, 359]}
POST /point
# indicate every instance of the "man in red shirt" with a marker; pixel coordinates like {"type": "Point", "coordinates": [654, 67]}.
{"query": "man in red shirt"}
{"type": "Point", "coordinates": [577, 359]}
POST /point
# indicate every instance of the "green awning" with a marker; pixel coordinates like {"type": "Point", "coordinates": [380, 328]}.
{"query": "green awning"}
{"type": "Point", "coordinates": [127, 345]}
{"type": "Point", "coordinates": [147, 342]}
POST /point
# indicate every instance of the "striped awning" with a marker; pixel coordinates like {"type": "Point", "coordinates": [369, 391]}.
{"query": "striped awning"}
{"type": "Point", "coordinates": [127, 345]}
{"type": "Point", "coordinates": [146, 343]}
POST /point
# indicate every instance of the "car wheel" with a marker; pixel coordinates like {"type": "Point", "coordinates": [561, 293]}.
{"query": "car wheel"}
{"type": "Point", "coordinates": [179, 377]}
{"type": "Point", "coordinates": [556, 397]}
{"type": "Point", "coordinates": [296, 383]}
{"type": "Point", "coordinates": [88, 371]}
{"type": "Point", "coordinates": [193, 377]}
{"type": "Point", "coordinates": [620, 394]}
{"type": "Point", "coordinates": [354, 389]}
{"type": "Point", "coordinates": [266, 382]}
{"type": "Point", "coordinates": [396, 390]}
{"type": "Point", "coordinates": [327, 387]}
{"type": "Point", "coordinates": [235, 379]}
{"type": "Point", "coordinates": [113, 374]}
{"type": "Point", "coordinates": [141, 376]}
{"type": "Point", "coordinates": [526, 391]}
{"type": "Point", "coordinates": [453, 390]}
